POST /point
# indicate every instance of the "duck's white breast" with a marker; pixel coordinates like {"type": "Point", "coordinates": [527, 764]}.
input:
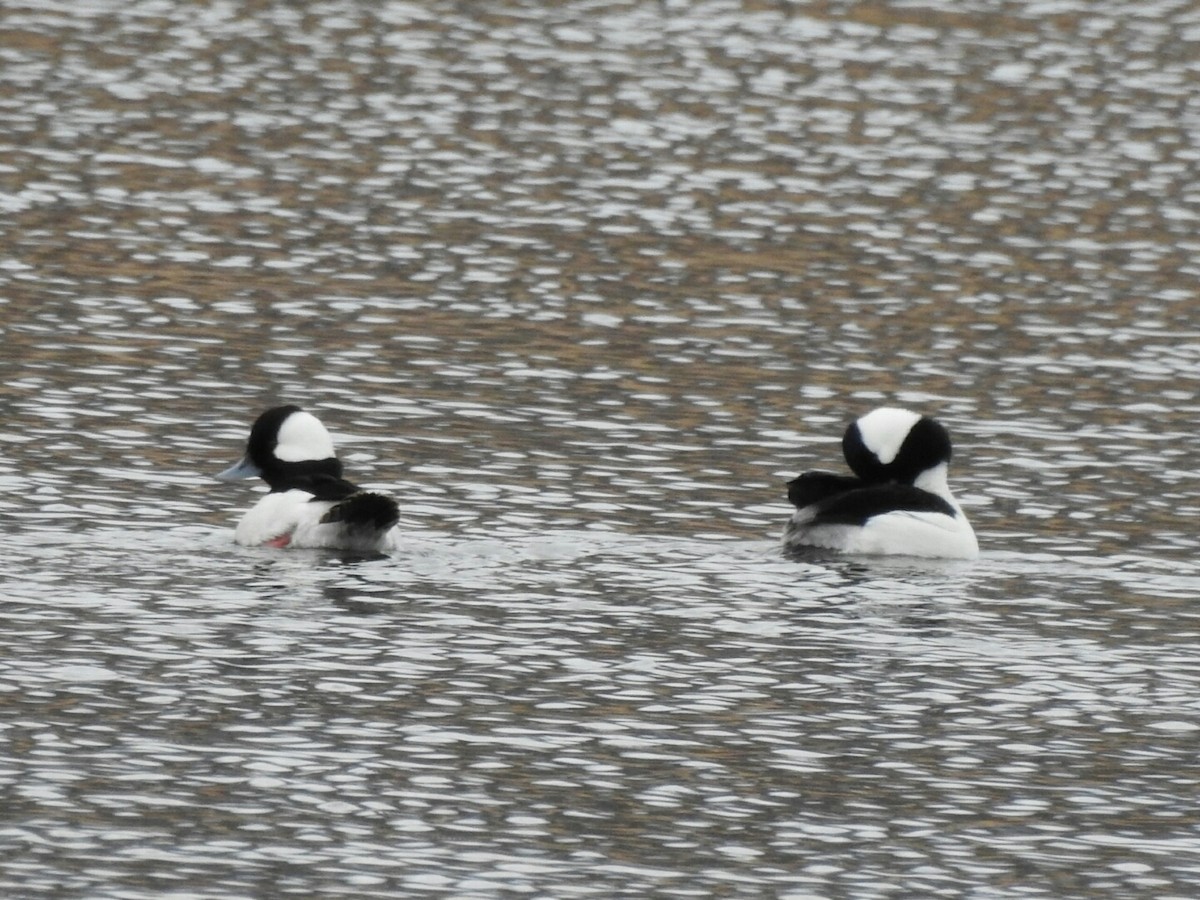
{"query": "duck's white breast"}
{"type": "Point", "coordinates": [278, 514]}
{"type": "Point", "coordinates": [898, 533]}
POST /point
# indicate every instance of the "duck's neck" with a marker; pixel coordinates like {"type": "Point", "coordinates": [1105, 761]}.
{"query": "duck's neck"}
{"type": "Point", "coordinates": [934, 481]}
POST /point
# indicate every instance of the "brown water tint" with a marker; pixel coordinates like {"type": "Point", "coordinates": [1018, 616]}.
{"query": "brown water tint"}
{"type": "Point", "coordinates": [583, 285]}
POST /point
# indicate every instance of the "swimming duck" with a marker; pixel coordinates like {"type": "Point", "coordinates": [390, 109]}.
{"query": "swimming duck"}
{"type": "Point", "coordinates": [309, 504]}
{"type": "Point", "coordinates": [896, 502]}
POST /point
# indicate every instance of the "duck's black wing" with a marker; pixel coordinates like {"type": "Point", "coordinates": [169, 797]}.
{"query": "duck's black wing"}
{"type": "Point", "coordinates": [324, 487]}
{"type": "Point", "coordinates": [855, 507]}
{"type": "Point", "coordinates": [815, 487]}
{"type": "Point", "coordinates": [356, 508]}
{"type": "Point", "coordinates": [365, 511]}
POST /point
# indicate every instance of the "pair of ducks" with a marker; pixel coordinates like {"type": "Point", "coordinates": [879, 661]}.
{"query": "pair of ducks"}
{"type": "Point", "coordinates": [897, 501]}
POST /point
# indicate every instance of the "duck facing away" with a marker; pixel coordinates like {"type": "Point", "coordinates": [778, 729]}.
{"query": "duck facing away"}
{"type": "Point", "coordinates": [309, 505]}
{"type": "Point", "coordinates": [897, 502]}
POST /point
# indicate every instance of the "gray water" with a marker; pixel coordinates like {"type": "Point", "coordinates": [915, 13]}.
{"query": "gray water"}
{"type": "Point", "coordinates": [583, 285]}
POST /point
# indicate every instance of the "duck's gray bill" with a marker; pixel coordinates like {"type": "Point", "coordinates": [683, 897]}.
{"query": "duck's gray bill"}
{"type": "Point", "coordinates": [241, 469]}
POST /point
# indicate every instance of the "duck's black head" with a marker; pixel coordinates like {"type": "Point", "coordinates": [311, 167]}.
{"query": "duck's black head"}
{"type": "Point", "coordinates": [895, 445]}
{"type": "Point", "coordinates": [287, 447]}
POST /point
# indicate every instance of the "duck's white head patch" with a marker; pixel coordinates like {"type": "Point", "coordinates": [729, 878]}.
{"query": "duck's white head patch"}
{"type": "Point", "coordinates": [302, 437]}
{"type": "Point", "coordinates": [883, 431]}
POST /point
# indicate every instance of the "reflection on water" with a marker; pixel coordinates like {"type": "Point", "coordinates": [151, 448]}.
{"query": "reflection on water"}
{"type": "Point", "coordinates": [583, 286]}
{"type": "Point", "coordinates": [583, 713]}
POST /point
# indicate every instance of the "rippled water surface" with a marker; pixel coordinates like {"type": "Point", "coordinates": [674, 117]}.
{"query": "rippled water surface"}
{"type": "Point", "coordinates": [583, 284]}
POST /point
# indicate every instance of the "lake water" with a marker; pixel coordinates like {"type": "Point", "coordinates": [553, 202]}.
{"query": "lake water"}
{"type": "Point", "coordinates": [583, 285]}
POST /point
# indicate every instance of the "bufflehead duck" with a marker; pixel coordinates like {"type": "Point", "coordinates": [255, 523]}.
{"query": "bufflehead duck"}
{"type": "Point", "coordinates": [310, 504]}
{"type": "Point", "coordinates": [896, 502]}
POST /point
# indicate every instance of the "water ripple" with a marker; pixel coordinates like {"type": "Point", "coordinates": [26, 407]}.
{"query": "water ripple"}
{"type": "Point", "coordinates": [583, 286]}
